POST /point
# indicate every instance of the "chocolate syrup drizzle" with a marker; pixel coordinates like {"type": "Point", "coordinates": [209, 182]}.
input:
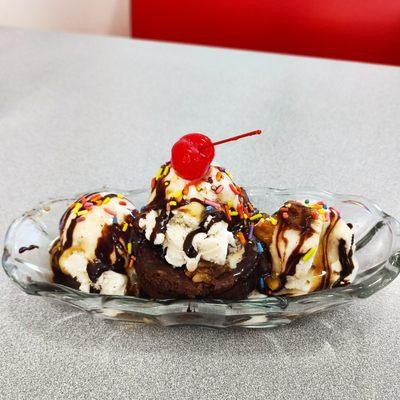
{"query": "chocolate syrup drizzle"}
{"type": "Point", "coordinates": [160, 225]}
{"type": "Point", "coordinates": [27, 248]}
{"type": "Point", "coordinates": [204, 226]}
{"type": "Point", "coordinates": [299, 218]}
{"type": "Point", "coordinates": [346, 260]}
{"type": "Point", "coordinates": [326, 267]}
{"type": "Point", "coordinates": [159, 201]}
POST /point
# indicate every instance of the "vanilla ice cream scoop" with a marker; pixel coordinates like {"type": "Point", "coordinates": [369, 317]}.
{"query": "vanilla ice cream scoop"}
{"type": "Point", "coordinates": [311, 248]}
{"type": "Point", "coordinates": [194, 221]}
{"type": "Point", "coordinates": [93, 253]}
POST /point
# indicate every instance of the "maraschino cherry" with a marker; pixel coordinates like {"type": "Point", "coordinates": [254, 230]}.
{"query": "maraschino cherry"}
{"type": "Point", "coordinates": [193, 153]}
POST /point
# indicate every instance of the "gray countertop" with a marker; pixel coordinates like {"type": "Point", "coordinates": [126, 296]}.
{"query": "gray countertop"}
{"type": "Point", "coordinates": [77, 112]}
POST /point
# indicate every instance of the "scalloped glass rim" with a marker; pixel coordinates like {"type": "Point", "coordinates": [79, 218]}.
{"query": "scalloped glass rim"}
{"type": "Point", "coordinates": [377, 237]}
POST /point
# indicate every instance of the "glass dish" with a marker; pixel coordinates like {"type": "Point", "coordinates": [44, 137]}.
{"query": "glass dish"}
{"type": "Point", "coordinates": [377, 237]}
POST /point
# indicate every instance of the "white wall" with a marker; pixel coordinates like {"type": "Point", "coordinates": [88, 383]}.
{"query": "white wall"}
{"type": "Point", "coordinates": [93, 16]}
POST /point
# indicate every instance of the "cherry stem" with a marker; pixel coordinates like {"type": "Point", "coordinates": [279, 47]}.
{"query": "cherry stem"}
{"type": "Point", "coordinates": [231, 139]}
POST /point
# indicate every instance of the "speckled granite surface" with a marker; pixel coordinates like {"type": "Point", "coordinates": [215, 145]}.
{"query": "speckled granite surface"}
{"type": "Point", "coordinates": [77, 112]}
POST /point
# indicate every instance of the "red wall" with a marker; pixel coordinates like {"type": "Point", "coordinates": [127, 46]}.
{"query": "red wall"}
{"type": "Point", "coordinates": [362, 30]}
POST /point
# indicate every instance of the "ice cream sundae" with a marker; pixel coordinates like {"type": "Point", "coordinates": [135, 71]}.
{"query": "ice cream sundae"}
{"type": "Point", "coordinates": [200, 236]}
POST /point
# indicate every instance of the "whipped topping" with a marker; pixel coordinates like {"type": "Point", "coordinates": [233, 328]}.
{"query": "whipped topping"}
{"type": "Point", "coordinates": [216, 244]}
{"type": "Point", "coordinates": [86, 239]}
{"type": "Point", "coordinates": [149, 224]}
{"type": "Point", "coordinates": [112, 283]}
{"type": "Point", "coordinates": [177, 219]}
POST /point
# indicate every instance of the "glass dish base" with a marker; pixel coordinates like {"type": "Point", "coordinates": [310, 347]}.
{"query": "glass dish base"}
{"type": "Point", "coordinates": [377, 238]}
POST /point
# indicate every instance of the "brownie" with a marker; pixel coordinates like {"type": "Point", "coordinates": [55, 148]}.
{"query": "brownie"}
{"type": "Point", "coordinates": [159, 280]}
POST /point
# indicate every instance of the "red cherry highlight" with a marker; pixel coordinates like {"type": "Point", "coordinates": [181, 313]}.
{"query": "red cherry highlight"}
{"type": "Point", "coordinates": [192, 155]}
